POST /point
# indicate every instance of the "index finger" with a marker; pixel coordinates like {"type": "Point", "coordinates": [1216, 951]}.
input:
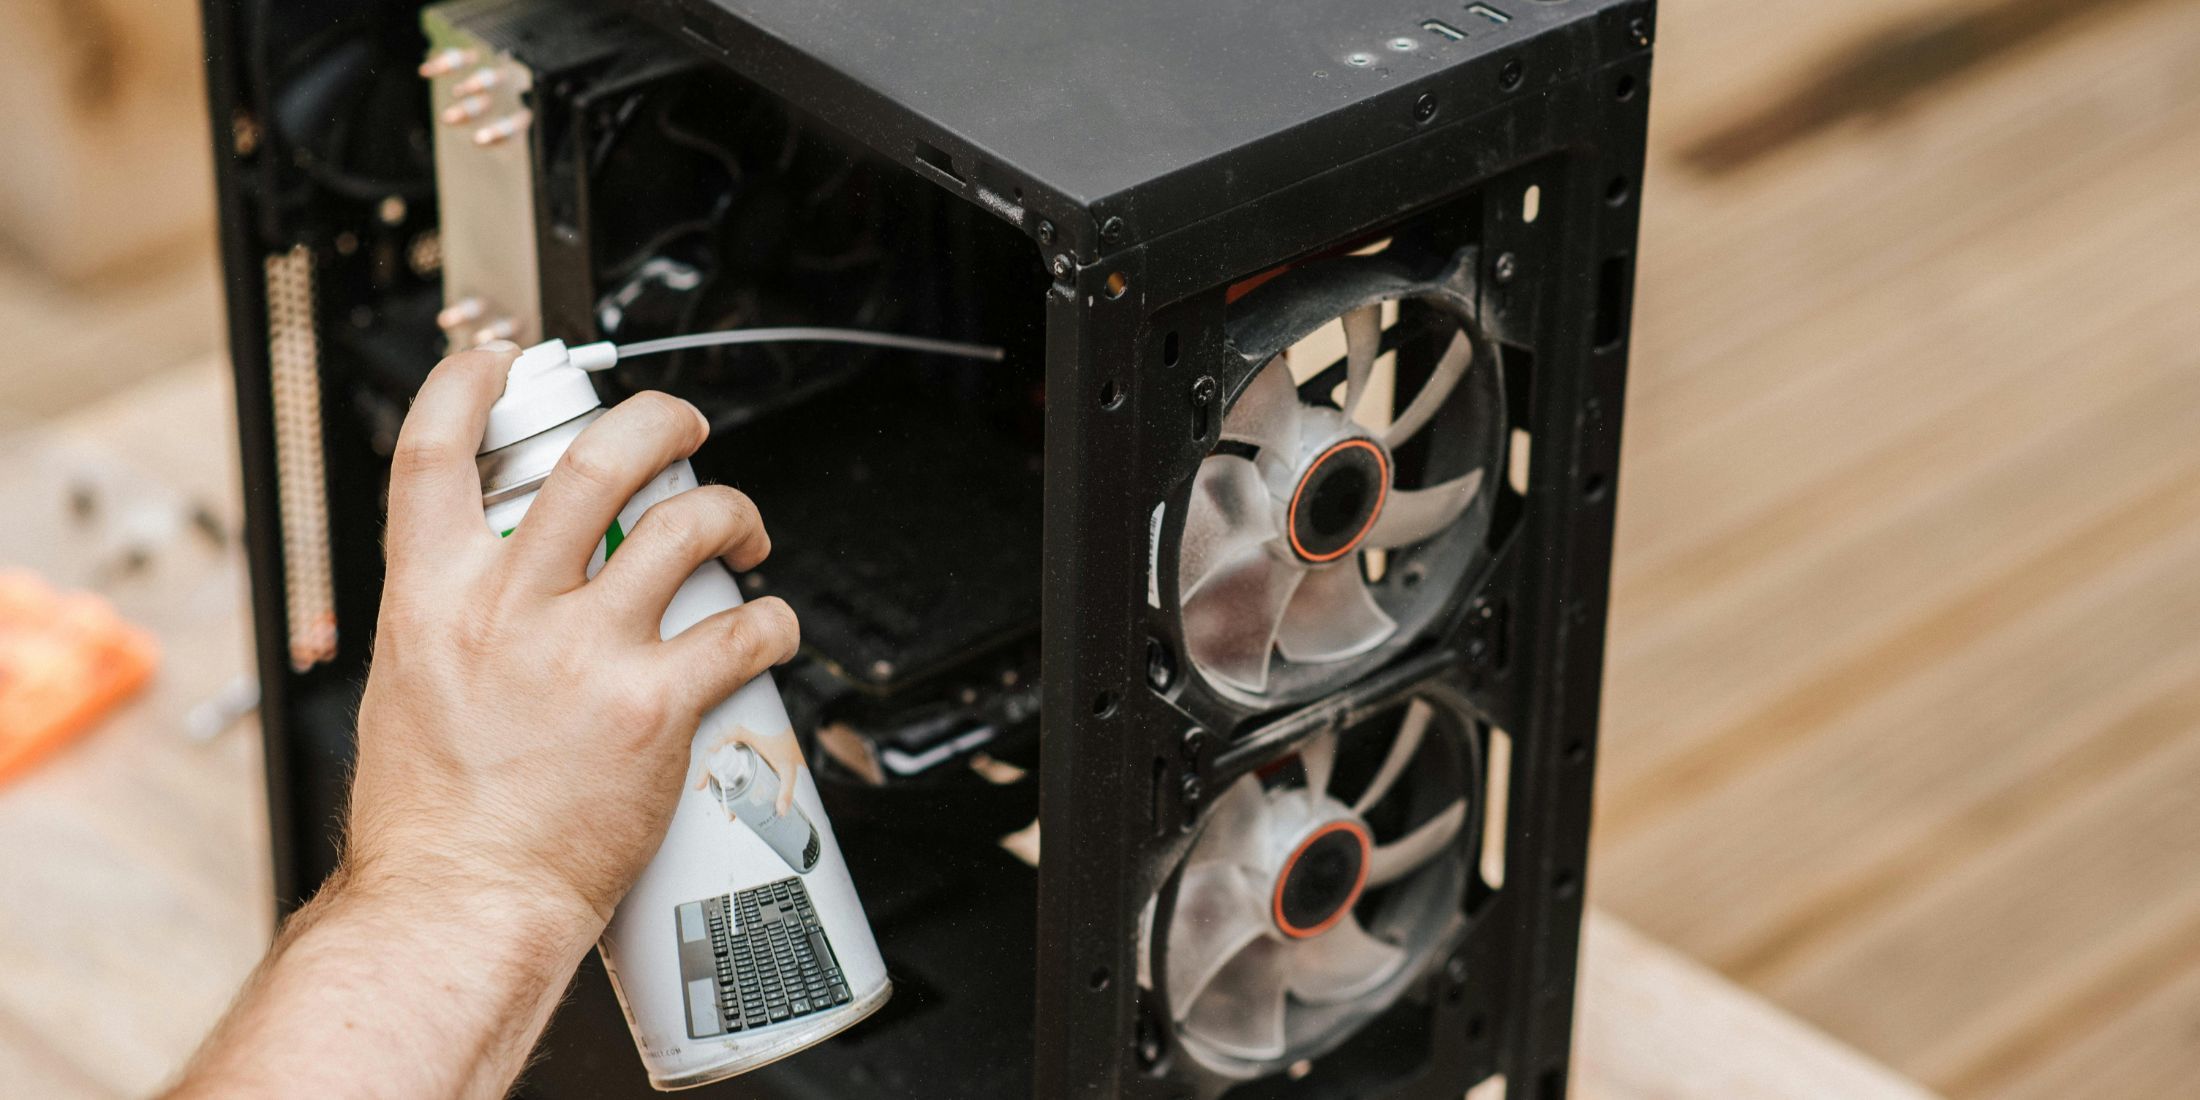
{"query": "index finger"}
{"type": "Point", "coordinates": [434, 485]}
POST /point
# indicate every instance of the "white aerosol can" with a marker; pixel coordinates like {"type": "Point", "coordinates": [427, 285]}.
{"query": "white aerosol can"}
{"type": "Point", "coordinates": [743, 941]}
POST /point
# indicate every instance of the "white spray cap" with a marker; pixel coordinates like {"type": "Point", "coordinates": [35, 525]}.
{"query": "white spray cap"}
{"type": "Point", "coordinates": [548, 385]}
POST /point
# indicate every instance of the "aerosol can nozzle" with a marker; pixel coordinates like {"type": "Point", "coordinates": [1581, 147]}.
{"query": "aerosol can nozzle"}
{"type": "Point", "coordinates": [548, 385]}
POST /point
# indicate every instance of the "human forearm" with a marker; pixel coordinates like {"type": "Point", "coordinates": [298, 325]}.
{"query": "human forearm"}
{"type": "Point", "coordinates": [388, 985]}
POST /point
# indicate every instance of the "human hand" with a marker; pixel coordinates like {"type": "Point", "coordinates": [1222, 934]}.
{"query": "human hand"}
{"type": "Point", "coordinates": [525, 731]}
{"type": "Point", "coordinates": [779, 750]}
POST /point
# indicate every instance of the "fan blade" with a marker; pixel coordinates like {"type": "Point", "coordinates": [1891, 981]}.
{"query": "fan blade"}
{"type": "Point", "coordinates": [1236, 826]}
{"type": "Point", "coordinates": [1230, 512]}
{"type": "Point", "coordinates": [1402, 748]}
{"type": "Point", "coordinates": [1340, 964]}
{"type": "Point", "coordinates": [1319, 757]}
{"type": "Point", "coordinates": [1410, 515]}
{"type": "Point", "coordinates": [1363, 341]}
{"type": "Point", "coordinates": [1333, 617]}
{"type": "Point", "coordinates": [1390, 861]}
{"type": "Point", "coordinates": [1230, 624]}
{"type": "Point", "coordinates": [1266, 415]}
{"type": "Point", "coordinates": [1449, 370]}
{"type": "Point", "coordinates": [1220, 908]}
{"type": "Point", "coordinates": [1241, 1013]}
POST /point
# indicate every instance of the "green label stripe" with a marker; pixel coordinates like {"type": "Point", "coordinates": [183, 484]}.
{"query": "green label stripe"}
{"type": "Point", "coordinates": [611, 538]}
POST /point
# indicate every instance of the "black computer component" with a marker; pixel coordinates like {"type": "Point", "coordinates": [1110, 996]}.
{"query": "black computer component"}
{"type": "Point", "coordinates": [1257, 595]}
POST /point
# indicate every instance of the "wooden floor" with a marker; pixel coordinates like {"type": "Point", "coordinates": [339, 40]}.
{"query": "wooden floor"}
{"type": "Point", "coordinates": [1903, 708]}
{"type": "Point", "coordinates": [1902, 725]}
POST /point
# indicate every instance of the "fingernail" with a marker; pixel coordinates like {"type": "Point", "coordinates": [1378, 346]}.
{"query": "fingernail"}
{"type": "Point", "coordinates": [497, 345]}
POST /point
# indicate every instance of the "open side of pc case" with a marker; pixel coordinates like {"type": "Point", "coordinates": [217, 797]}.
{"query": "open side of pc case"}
{"type": "Point", "coordinates": [1259, 590]}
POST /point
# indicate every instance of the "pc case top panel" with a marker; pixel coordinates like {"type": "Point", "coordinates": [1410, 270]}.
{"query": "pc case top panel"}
{"type": "Point", "coordinates": [1092, 104]}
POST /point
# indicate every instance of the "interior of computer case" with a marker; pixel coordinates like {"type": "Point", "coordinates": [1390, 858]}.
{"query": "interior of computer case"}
{"type": "Point", "coordinates": [1205, 693]}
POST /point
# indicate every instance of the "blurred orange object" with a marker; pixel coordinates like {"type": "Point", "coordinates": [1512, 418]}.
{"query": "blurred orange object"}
{"type": "Point", "coordinates": [65, 660]}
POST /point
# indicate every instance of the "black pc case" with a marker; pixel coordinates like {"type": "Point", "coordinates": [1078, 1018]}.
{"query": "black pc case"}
{"type": "Point", "coordinates": [1280, 680]}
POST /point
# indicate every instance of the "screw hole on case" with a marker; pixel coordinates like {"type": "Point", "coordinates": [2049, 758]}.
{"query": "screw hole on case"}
{"type": "Point", "coordinates": [1100, 980]}
{"type": "Point", "coordinates": [1118, 284]}
{"type": "Point", "coordinates": [1618, 191]}
{"type": "Point", "coordinates": [1625, 89]}
{"type": "Point", "coordinates": [1104, 705]}
{"type": "Point", "coordinates": [1111, 395]}
{"type": "Point", "coordinates": [1594, 487]}
{"type": "Point", "coordinates": [1172, 349]}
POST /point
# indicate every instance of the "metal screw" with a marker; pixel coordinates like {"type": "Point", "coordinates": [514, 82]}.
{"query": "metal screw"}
{"type": "Point", "coordinates": [1204, 390]}
{"type": "Point", "coordinates": [1424, 108]}
{"type": "Point", "coordinates": [1639, 29]}
{"type": "Point", "coordinates": [1046, 232]}
{"type": "Point", "coordinates": [1509, 77]}
{"type": "Point", "coordinates": [1193, 791]}
{"type": "Point", "coordinates": [1064, 268]}
{"type": "Point", "coordinates": [1508, 266]}
{"type": "Point", "coordinates": [1111, 231]}
{"type": "Point", "coordinates": [391, 211]}
{"type": "Point", "coordinates": [1195, 741]}
{"type": "Point", "coordinates": [881, 670]}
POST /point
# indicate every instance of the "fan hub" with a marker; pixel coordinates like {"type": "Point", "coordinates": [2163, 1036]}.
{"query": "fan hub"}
{"type": "Point", "coordinates": [1322, 879]}
{"type": "Point", "coordinates": [1336, 499]}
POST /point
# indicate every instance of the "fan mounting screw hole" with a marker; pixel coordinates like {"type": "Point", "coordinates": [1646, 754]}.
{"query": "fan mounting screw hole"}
{"type": "Point", "coordinates": [1594, 487]}
{"type": "Point", "coordinates": [1424, 108]}
{"type": "Point", "coordinates": [1111, 395]}
{"type": "Point", "coordinates": [1618, 191]}
{"type": "Point", "coordinates": [1100, 980]}
{"type": "Point", "coordinates": [1104, 705]}
{"type": "Point", "coordinates": [1625, 89]}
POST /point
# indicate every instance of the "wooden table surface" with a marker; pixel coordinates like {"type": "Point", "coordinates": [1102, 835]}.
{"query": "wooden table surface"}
{"type": "Point", "coordinates": [133, 880]}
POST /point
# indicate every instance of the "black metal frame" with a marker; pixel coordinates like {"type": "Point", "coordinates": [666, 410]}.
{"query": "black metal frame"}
{"type": "Point", "coordinates": [1128, 752]}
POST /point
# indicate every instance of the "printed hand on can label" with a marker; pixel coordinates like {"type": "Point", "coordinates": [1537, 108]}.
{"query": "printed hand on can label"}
{"type": "Point", "coordinates": [753, 778]}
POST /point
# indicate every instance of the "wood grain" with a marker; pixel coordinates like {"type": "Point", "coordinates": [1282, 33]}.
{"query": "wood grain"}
{"type": "Point", "coordinates": [1902, 678]}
